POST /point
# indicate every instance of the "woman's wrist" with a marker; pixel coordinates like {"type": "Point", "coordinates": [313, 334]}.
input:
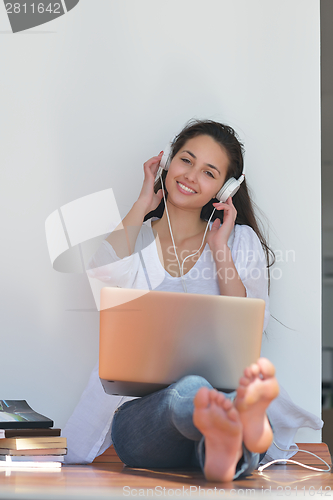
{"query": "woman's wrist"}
{"type": "Point", "coordinates": [222, 253]}
{"type": "Point", "coordinates": [228, 277]}
{"type": "Point", "coordinates": [141, 207]}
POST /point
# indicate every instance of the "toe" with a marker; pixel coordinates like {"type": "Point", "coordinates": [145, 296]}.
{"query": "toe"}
{"type": "Point", "coordinates": [244, 381]}
{"type": "Point", "coordinates": [266, 367]}
{"type": "Point", "coordinates": [233, 414]}
{"type": "Point", "coordinates": [201, 399]}
{"type": "Point", "coordinates": [255, 370]}
{"type": "Point", "coordinates": [226, 404]}
{"type": "Point", "coordinates": [220, 399]}
{"type": "Point", "coordinates": [213, 395]}
{"type": "Point", "coordinates": [248, 373]}
{"type": "Point", "coordinates": [241, 391]}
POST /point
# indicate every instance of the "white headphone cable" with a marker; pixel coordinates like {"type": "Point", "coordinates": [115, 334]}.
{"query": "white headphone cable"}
{"type": "Point", "coordinates": [181, 266]}
{"type": "Point", "coordinates": [262, 467]}
{"type": "Point", "coordinates": [173, 241]}
{"type": "Point", "coordinates": [203, 239]}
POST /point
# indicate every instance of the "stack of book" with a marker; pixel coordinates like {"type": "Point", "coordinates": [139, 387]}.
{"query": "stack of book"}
{"type": "Point", "coordinates": [27, 438]}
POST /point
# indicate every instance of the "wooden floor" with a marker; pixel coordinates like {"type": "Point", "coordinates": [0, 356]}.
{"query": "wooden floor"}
{"type": "Point", "coordinates": [111, 480]}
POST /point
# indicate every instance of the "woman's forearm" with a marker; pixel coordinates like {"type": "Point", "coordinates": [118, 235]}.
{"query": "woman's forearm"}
{"type": "Point", "coordinates": [124, 237]}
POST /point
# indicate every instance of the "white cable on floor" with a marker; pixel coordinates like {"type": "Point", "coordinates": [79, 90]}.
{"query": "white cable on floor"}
{"type": "Point", "coordinates": [262, 467]}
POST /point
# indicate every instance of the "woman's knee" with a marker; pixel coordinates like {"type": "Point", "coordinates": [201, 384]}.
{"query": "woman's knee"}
{"type": "Point", "coordinates": [191, 384]}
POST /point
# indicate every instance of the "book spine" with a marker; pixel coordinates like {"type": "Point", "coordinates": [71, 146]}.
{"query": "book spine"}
{"type": "Point", "coordinates": [32, 443]}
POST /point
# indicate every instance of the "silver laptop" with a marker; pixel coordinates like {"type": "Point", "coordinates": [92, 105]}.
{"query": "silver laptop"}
{"type": "Point", "coordinates": [150, 339]}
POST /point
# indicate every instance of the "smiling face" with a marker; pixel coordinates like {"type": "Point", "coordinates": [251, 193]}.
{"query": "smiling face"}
{"type": "Point", "coordinates": [197, 172]}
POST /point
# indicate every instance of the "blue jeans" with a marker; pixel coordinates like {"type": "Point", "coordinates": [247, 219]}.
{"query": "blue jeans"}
{"type": "Point", "coordinates": [157, 431]}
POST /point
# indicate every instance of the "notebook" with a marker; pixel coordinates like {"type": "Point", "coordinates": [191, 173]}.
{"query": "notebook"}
{"type": "Point", "coordinates": [150, 339]}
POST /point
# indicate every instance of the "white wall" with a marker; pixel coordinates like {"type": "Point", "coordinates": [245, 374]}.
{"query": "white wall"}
{"type": "Point", "coordinates": [86, 99]}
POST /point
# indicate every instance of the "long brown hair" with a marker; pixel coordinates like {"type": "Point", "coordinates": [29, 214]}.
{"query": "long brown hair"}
{"type": "Point", "coordinates": [228, 139]}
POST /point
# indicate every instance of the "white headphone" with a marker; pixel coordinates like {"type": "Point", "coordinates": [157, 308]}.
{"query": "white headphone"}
{"type": "Point", "coordinates": [228, 189]}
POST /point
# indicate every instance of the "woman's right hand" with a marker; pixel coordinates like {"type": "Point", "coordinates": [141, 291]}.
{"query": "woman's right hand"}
{"type": "Point", "coordinates": [123, 242]}
{"type": "Point", "coordinates": [148, 197]}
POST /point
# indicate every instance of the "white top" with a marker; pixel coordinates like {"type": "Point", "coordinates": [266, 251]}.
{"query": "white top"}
{"type": "Point", "coordinates": [88, 430]}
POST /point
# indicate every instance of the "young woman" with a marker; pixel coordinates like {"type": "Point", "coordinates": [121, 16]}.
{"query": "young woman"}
{"type": "Point", "coordinates": [190, 423]}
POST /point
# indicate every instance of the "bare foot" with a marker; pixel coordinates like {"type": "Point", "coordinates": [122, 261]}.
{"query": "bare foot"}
{"type": "Point", "coordinates": [215, 416]}
{"type": "Point", "coordinates": [257, 388]}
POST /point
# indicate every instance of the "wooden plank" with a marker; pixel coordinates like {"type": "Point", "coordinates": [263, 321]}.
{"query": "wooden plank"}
{"type": "Point", "coordinates": [109, 456]}
{"type": "Point", "coordinates": [320, 449]}
{"type": "Point", "coordinates": [107, 481]}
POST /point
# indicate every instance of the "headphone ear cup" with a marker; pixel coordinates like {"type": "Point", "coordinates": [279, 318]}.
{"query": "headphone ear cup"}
{"type": "Point", "coordinates": [228, 189]}
{"type": "Point", "coordinates": [165, 160]}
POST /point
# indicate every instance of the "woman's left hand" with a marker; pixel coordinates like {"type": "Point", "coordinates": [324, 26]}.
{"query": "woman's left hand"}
{"type": "Point", "coordinates": [219, 234]}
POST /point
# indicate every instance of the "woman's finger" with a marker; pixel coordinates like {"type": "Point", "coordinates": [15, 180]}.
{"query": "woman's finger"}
{"type": "Point", "coordinates": [151, 166]}
{"type": "Point", "coordinates": [221, 206]}
{"type": "Point", "coordinates": [216, 224]}
{"type": "Point", "coordinates": [154, 159]}
{"type": "Point", "coordinates": [228, 202]}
